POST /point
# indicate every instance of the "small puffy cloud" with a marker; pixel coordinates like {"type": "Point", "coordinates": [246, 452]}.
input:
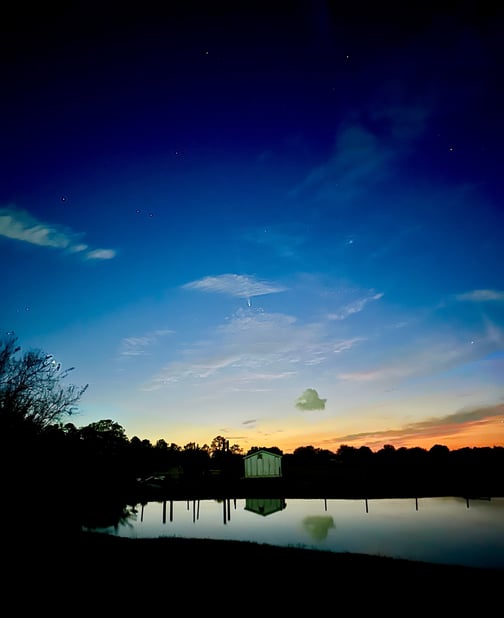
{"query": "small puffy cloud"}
{"type": "Point", "coordinates": [17, 224]}
{"type": "Point", "coordinates": [480, 296]}
{"type": "Point", "coordinates": [310, 400]}
{"type": "Point", "coordinates": [241, 286]}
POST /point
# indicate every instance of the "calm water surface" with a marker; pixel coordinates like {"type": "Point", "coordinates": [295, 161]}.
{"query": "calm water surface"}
{"type": "Point", "coordinates": [446, 530]}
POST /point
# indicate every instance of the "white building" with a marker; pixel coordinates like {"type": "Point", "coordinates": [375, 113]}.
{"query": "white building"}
{"type": "Point", "coordinates": [263, 464]}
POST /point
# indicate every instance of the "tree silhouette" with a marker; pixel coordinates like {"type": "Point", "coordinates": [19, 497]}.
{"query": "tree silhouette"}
{"type": "Point", "coordinates": [35, 446]}
{"type": "Point", "coordinates": [219, 445]}
{"type": "Point", "coordinates": [32, 393]}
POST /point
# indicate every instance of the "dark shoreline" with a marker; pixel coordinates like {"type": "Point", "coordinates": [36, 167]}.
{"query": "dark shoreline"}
{"type": "Point", "coordinates": [103, 570]}
{"type": "Point", "coordinates": [116, 547]}
{"type": "Point", "coordinates": [310, 488]}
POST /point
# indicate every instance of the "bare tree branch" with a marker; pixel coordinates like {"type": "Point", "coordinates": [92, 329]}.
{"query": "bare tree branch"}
{"type": "Point", "coordinates": [31, 388]}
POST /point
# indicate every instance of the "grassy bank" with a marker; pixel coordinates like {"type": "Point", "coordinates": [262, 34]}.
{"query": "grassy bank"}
{"type": "Point", "coordinates": [114, 573]}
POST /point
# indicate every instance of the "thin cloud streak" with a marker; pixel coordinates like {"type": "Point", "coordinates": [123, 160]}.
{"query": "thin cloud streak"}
{"type": "Point", "coordinates": [17, 224]}
{"type": "Point", "coordinates": [378, 374]}
{"type": "Point", "coordinates": [354, 307]}
{"type": "Point", "coordinates": [139, 346]}
{"type": "Point", "coordinates": [479, 296]}
{"type": "Point", "coordinates": [101, 254]}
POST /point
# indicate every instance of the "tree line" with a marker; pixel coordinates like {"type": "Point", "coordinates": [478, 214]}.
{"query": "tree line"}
{"type": "Point", "coordinates": [46, 458]}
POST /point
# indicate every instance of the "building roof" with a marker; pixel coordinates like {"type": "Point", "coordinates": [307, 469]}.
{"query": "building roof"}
{"type": "Point", "coordinates": [262, 450]}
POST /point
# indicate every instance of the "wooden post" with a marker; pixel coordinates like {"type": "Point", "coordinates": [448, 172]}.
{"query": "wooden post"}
{"type": "Point", "coordinates": [164, 511]}
{"type": "Point", "coordinates": [171, 510]}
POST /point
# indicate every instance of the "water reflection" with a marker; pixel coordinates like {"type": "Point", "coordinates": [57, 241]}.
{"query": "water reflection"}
{"type": "Point", "coordinates": [265, 506]}
{"type": "Point", "coordinates": [447, 529]}
{"type": "Point", "coordinates": [318, 526]}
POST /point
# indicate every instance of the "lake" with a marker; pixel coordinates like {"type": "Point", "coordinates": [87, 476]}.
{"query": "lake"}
{"type": "Point", "coordinates": [447, 530]}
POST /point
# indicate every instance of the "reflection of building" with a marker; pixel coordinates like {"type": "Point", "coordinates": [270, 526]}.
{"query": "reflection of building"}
{"type": "Point", "coordinates": [263, 464]}
{"type": "Point", "coordinates": [265, 506]}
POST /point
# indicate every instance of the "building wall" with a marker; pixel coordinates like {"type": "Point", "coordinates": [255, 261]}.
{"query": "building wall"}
{"type": "Point", "coordinates": [263, 464]}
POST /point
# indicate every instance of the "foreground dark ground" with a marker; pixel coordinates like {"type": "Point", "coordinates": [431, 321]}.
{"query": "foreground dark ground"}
{"type": "Point", "coordinates": [97, 573]}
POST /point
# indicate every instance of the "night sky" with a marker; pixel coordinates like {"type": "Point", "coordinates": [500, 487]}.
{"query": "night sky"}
{"type": "Point", "coordinates": [277, 223]}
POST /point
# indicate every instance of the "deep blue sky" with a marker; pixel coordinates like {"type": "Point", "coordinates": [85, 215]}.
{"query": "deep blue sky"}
{"type": "Point", "coordinates": [209, 210]}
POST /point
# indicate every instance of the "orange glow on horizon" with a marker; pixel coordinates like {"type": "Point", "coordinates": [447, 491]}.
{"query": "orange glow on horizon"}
{"type": "Point", "coordinates": [476, 434]}
{"type": "Point", "coordinates": [484, 430]}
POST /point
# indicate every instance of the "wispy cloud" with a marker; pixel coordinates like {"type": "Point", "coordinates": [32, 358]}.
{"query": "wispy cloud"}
{"type": "Point", "coordinates": [431, 356]}
{"type": "Point", "coordinates": [252, 381]}
{"type": "Point", "coordinates": [481, 296]}
{"type": "Point", "coordinates": [254, 348]}
{"type": "Point", "coordinates": [434, 428]}
{"type": "Point", "coordinates": [363, 157]}
{"type": "Point", "coordinates": [241, 286]}
{"type": "Point", "coordinates": [140, 346]}
{"type": "Point", "coordinates": [358, 158]}
{"type": "Point", "coordinates": [353, 307]}
{"type": "Point", "coordinates": [346, 344]}
{"type": "Point", "coordinates": [191, 371]}
{"type": "Point", "coordinates": [17, 224]}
